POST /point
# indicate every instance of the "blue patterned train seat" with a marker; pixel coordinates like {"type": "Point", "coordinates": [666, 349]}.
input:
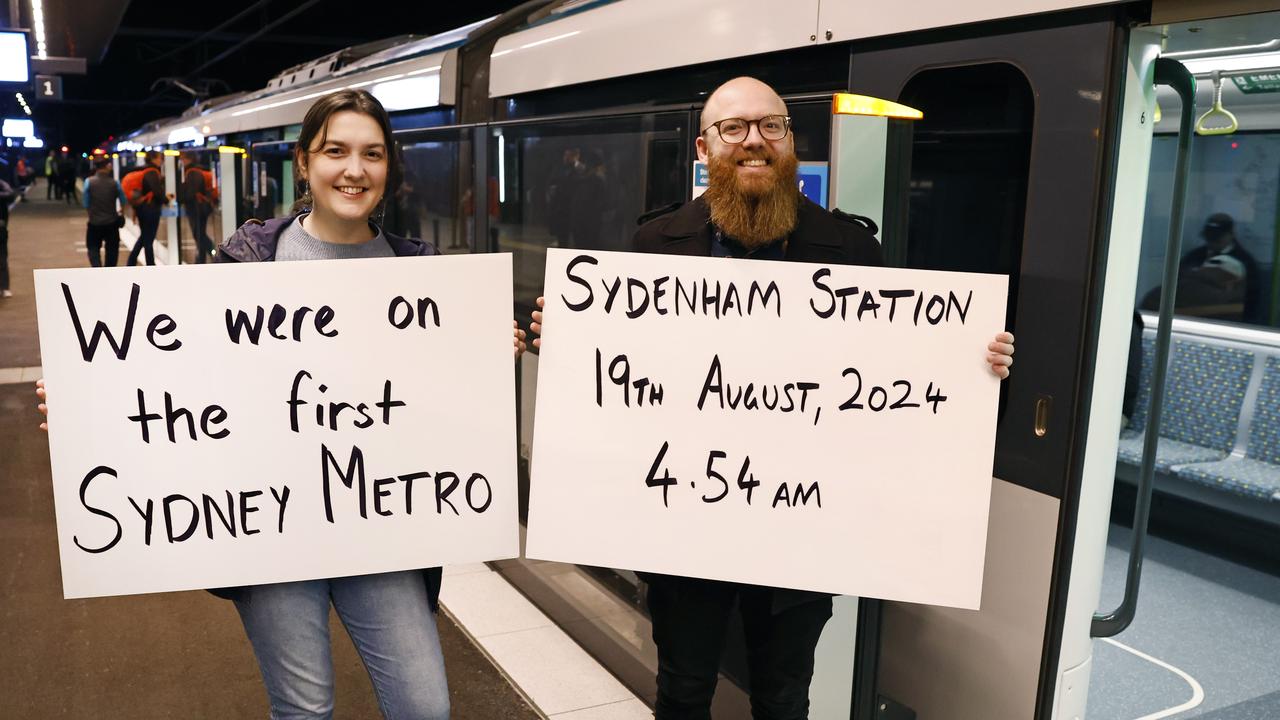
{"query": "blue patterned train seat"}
{"type": "Point", "coordinates": [1142, 406]}
{"type": "Point", "coordinates": [1204, 393]}
{"type": "Point", "coordinates": [1257, 475]}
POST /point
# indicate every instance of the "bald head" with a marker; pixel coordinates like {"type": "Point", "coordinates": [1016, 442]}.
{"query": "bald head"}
{"type": "Point", "coordinates": [744, 97]}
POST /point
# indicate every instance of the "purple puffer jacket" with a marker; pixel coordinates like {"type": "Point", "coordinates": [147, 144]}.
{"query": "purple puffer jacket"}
{"type": "Point", "coordinates": [256, 241]}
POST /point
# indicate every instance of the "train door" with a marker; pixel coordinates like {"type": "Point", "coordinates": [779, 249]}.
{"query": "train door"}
{"type": "Point", "coordinates": [167, 236]}
{"type": "Point", "coordinates": [435, 200]}
{"type": "Point", "coordinates": [1213, 458]}
{"type": "Point", "coordinates": [269, 189]}
{"type": "Point", "coordinates": [1007, 173]}
{"type": "Point", "coordinates": [230, 177]}
{"type": "Point", "coordinates": [200, 222]}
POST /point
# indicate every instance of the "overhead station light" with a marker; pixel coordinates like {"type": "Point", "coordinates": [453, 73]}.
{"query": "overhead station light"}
{"type": "Point", "coordinates": [23, 102]}
{"type": "Point", "coordinates": [32, 142]}
{"type": "Point", "coordinates": [37, 22]}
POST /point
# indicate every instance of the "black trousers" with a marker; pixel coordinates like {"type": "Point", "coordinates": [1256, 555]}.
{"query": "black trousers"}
{"type": "Point", "coordinates": [4, 257]}
{"type": "Point", "coordinates": [690, 619]}
{"type": "Point", "coordinates": [94, 238]}
{"type": "Point", "coordinates": [148, 226]}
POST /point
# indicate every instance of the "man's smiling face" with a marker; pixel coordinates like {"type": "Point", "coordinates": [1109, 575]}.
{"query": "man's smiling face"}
{"type": "Point", "coordinates": [757, 163]}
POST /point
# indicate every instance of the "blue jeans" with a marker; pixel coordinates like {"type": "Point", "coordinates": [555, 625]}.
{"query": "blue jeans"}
{"type": "Point", "coordinates": [390, 622]}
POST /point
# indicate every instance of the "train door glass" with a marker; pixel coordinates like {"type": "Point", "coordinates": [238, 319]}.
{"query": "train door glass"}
{"type": "Point", "coordinates": [199, 210]}
{"type": "Point", "coordinates": [580, 184]}
{"type": "Point", "coordinates": [969, 165]}
{"type": "Point", "coordinates": [811, 129]}
{"type": "Point", "coordinates": [435, 200]}
{"type": "Point", "coordinates": [1229, 232]}
{"type": "Point", "coordinates": [269, 189]}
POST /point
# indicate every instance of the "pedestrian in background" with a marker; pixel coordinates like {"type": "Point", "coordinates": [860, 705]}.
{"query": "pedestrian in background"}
{"type": "Point", "coordinates": [147, 204]}
{"type": "Point", "coordinates": [51, 177]}
{"type": "Point", "coordinates": [101, 192]}
{"type": "Point", "coordinates": [7, 194]}
{"type": "Point", "coordinates": [67, 178]}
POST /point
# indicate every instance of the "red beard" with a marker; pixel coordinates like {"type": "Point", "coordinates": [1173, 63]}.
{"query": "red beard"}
{"type": "Point", "coordinates": [753, 211]}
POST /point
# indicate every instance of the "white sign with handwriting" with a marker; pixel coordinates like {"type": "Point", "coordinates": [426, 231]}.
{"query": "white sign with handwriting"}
{"type": "Point", "coordinates": [224, 425]}
{"type": "Point", "coordinates": [826, 428]}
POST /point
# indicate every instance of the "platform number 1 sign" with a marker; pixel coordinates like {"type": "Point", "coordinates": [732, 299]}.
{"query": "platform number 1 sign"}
{"type": "Point", "coordinates": [49, 87]}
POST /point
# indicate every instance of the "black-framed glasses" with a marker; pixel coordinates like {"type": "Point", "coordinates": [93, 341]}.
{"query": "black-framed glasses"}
{"type": "Point", "coordinates": [735, 130]}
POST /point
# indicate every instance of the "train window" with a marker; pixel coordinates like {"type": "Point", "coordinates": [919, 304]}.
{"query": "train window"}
{"type": "Point", "coordinates": [970, 162]}
{"type": "Point", "coordinates": [580, 184]}
{"type": "Point", "coordinates": [811, 128]}
{"type": "Point", "coordinates": [269, 190]}
{"type": "Point", "coordinates": [200, 214]}
{"type": "Point", "coordinates": [434, 200]}
{"type": "Point", "coordinates": [1227, 272]}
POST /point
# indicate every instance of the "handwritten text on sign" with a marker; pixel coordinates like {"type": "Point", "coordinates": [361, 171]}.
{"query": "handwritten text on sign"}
{"type": "Point", "coordinates": [825, 428]}
{"type": "Point", "coordinates": [239, 424]}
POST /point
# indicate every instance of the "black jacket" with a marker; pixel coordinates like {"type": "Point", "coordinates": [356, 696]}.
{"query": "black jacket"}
{"type": "Point", "coordinates": [820, 237]}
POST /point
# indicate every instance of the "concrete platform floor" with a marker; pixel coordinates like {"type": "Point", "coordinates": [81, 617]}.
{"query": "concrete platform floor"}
{"type": "Point", "coordinates": [152, 656]}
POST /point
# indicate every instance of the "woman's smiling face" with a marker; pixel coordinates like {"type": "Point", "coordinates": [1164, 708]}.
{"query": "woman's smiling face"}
{"type": "Point", "coordinates": [346, 167]}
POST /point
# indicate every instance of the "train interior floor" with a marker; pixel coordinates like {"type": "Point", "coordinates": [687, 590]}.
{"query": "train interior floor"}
{"type": "Point", "coordinates": [1204, 642]}
{"type": "Point", "coordinates": [186, 654]}
{"type": "Point", "coordinates": [1203, 645]}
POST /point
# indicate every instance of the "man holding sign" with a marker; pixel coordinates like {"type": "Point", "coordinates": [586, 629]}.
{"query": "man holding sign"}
{"type": "Point", "coordinates": [751, 210]}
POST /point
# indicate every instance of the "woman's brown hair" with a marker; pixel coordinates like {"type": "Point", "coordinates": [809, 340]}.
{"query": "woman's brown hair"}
{"type": "Point", "coordinates": [316, 124]}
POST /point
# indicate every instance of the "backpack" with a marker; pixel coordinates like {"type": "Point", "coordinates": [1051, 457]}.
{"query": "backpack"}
{"type": "Point", "coordinates": [210, 192]}
{"type": "Point", "coordinates": [131, 184]}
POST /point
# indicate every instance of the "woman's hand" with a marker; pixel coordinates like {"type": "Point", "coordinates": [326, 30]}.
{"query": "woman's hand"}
{"type": "Point", "coordinates": [1001, 354]}
{"type": "Point", "coordinates": [536, 327]}
{"type": "Point", "coordinates": [42, 407]}
{"type": "Point", "coordinates": [519, 338]}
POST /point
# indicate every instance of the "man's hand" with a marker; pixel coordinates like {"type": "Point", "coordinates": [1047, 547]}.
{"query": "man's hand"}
{"type": "Point", "coordinates": [536, 327]}
{"type": "Point", "coordinates": [519, 338]}
{"type": "Point", "coordinates": [1001, 355]}
{"type": "Point", "coordinates": [42, 407]}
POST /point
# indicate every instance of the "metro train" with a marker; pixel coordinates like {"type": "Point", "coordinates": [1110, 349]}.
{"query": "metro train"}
{"type": "Point", "coordinates": [1045, 153]}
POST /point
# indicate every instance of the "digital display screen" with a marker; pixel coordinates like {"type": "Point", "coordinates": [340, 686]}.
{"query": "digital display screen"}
{"type": "Point", "coordinates": [14, 128]}
{"type": "Point", "coordinates": [15, 58]}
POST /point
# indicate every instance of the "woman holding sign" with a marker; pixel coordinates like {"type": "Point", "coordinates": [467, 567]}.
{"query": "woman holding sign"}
{"type": "Point", "coordinates": [346, 157]}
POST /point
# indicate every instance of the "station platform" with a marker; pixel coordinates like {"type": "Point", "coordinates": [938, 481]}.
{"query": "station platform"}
{"type": "Point", "coordinates": [186, 654]}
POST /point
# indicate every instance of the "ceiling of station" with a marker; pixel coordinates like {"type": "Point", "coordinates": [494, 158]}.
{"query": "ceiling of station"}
{"type": "Point", "coordinates": [76, 28]}
{"type": "Point", "coordinates": [133, 46]}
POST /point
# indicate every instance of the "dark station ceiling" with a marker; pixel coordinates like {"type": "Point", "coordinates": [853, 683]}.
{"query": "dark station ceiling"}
{"type": "Point", "coordinates": [135, 50]}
